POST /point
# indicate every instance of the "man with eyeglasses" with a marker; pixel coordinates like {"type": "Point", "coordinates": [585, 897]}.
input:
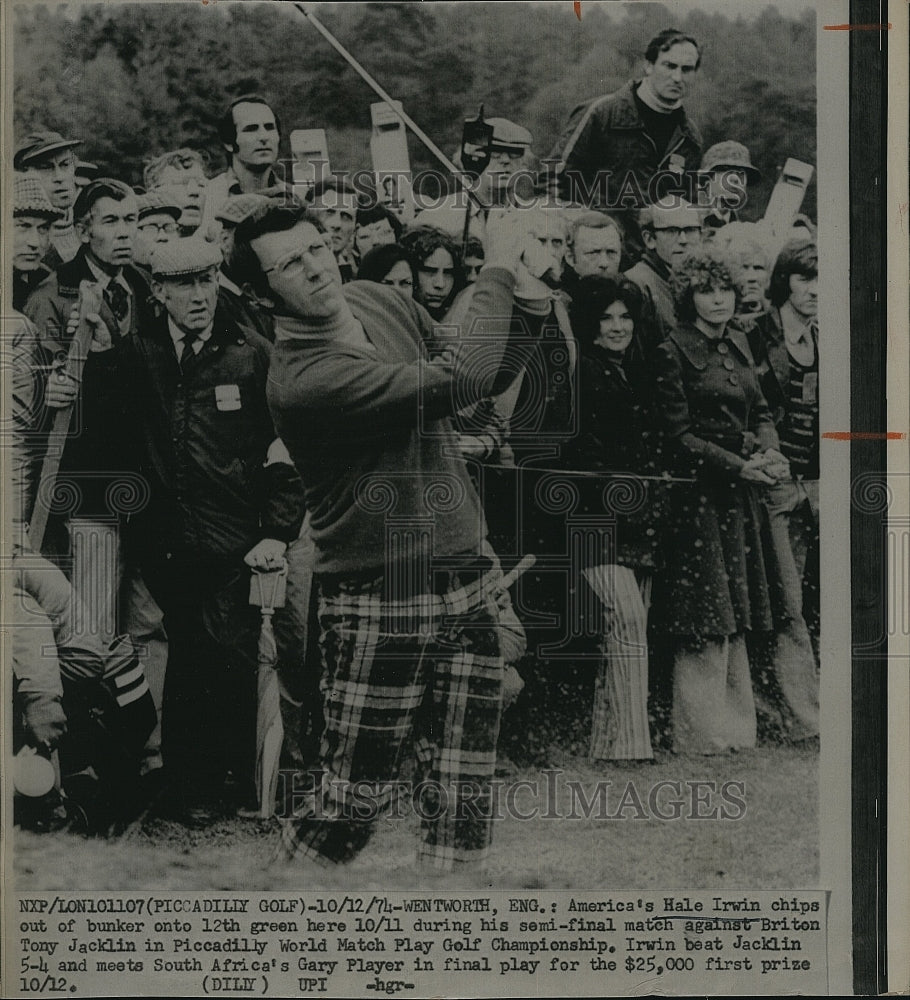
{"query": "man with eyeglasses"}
{"type": "Point", "coordinates": [670, 230]}
{"type": "Point", "coordinates": [497, 184]}
{"type": "Point", "coordinates": [158, 223]}
{"type": "Point", "coordinates": [408, 584]}
{"type": "Point", "coordinates": [51, 159]}
{"type": "Point", "coordinates": [221, 501]}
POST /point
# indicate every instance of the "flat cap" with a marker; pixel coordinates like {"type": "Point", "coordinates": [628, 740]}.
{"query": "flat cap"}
{"type": "Point", "coordinates": [38, 144]}
{"type": "Point", "coordinates": [29, 198]}
{"type": "Point", "coordinates": [508, 135]}
{"type": "Point", "coordinates": [238, 207]}
{"type": "Point", "coordinates": [729, 155]}
{"type": "Point", "coordinates": [156, 203]}
{"type": "Point", "coordinates": [184, 256]}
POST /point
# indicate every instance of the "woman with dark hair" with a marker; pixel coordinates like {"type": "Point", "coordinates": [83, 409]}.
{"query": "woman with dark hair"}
{"type": "Point", "coordinates": [390, 265]}
{"type": "Point", "coordinates": [717, 584]}
{"type": "Point", "coordinates": [440, 274]}
{"type": "Point", "coordinates": [616, 435]}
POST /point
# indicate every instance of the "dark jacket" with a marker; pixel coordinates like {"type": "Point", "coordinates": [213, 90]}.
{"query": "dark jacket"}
{"type": "Point", "coordinates": [25, 282]}
{"type": "Point", "coordinates": [617, 434]}
{"type": "Point", "coordinates": [607, 136]}
{"type": "Point", "coordinates": [204, 440]}
{"type": "Point", "coordinates": [96, 451]}
{"type": "Point", "coordinates": [717, 579]}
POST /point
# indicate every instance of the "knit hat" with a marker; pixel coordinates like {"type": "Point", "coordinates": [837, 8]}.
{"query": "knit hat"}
{"type": "Point", "coordinates": [729, 155]}
{"type": "Point", "coordinates": [238, 207]}
{"type": "Point", "coordinates": [157, 203]}
{"type": "Point", "coordinates": [184, 256]}
{"type": "Point", "coordinates": [39, 144]}
{"type": "Point", "coordinates": [29, 198]}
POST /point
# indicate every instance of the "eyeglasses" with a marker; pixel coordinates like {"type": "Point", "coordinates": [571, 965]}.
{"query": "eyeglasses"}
{"type": "Point", "coordinates": [158, 227]}
{"type": "Point", "coordinates": [674, 232]}
{"type": "Point", "coordinates": [294, 261]}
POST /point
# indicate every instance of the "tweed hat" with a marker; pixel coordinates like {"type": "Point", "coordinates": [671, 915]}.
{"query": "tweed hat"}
{"type": "Point", "coordinates": [40, 143]}
{"type": "Point", "coordinates": [729, 155]}
{"type": "Point", "coordinates": [157, 203]}
{"type": "Point", "coordinates": [508, 135]}
{"type": "Point", "coordinates": [238, 207]}
{"type": "Point", "coordinates": [182, 257]}
{"type": "Point", "coordinates": [29, 198]}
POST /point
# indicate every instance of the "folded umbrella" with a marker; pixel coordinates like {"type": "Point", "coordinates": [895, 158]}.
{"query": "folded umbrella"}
{"type": "Point", "coordinates": [267, 592]}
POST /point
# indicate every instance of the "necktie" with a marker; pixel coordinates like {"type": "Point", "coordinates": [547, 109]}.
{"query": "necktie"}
{"type": "Point", "coordinates": [118, 300]}
{"type": "Point", "coordinates": [188, 357]}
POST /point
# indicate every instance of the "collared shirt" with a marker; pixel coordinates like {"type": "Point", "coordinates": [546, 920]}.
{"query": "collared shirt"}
{"type": "Point", "coordinates": [797, 335]}
{"type": "Point", "coordinates": [104, 279]}
{"type": "Point", "coordinates": [179, 338]}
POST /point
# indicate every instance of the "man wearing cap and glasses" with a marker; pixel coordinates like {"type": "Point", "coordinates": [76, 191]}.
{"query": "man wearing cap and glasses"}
{"type": "Point", "coordinates": [159, 216]}
{"type": "Point", "coordinates": [221, 501]}
{"type": "Point", "coordinates": [50, 157]}
{"type": "Point", "coordinates": [495, 184]}
{"type": "Point", "coordinates": [726, 170]}
{"type": "Point", "coordinates": [32, 218]}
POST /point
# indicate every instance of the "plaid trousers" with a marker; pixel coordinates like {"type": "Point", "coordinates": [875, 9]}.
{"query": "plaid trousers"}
{"type": "Point", "coordinates": [422, 671]}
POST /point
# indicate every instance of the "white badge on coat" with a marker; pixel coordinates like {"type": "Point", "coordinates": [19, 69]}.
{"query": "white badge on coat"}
{"type": "Point", "coordinates": [227, 397]}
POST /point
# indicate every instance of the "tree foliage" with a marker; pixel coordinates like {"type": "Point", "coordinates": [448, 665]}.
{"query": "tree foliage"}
{"type": "Point", "coordinates": [134, 80]}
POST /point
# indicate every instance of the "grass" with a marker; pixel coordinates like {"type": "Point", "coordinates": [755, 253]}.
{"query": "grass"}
{"type": "Point", "coordinates": [774, 844]}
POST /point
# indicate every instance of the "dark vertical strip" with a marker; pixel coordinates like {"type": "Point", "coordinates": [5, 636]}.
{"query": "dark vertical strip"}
{"type": "Point", "coordinates": [868, 93]}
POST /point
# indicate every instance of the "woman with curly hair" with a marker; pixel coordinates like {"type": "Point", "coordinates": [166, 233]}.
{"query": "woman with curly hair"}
{"type": "Point", "coordinates": [717, 584]}
{"type": "Point", "coordinates": [440, 275]}
{"type": "Point", "coordinates": [616, 434]}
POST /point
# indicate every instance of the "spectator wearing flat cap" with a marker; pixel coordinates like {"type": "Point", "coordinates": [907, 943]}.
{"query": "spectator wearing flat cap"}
{"type": "Point", "coordinates": [159, 215]}
{"type": "Point", "coordinates": [726, 170]}
{"type": "Point", "coordinates": [32, 218]}
{"type": "Point", "coordinates": [496, 184]}
{"type": "Point", "coordinates": [219, 504]}
{"type": "Point", "coordinates": [97, 463]}
{"type": "Point", "coordinates": [234, 295]}
{"type": "Point", "coordinates": [107, 215]}
{"type": "Point", "coordinates": [51, 158]}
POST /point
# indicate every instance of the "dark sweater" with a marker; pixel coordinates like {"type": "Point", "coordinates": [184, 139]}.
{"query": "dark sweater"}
{"type": "Point", "coordinates": [369, 428]}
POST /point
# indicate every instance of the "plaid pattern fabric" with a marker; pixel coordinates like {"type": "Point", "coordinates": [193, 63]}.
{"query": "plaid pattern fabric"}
{"type": "Point", "coordinates": [422, 672]}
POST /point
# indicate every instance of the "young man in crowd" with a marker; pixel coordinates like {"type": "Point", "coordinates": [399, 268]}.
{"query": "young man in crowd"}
{"type": "Point", "coordinates": [407, 582]}
{"type": "Point", "coordinates": [180, 176]}
{"type": "Point", "coordinates": [250, 134]}
{"type": "Point", "coordinates": [334, 202]}
{"type": "Point", "coordinates": [33, 215]}
{"type": "Point", "coordinates": [50, 157]}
